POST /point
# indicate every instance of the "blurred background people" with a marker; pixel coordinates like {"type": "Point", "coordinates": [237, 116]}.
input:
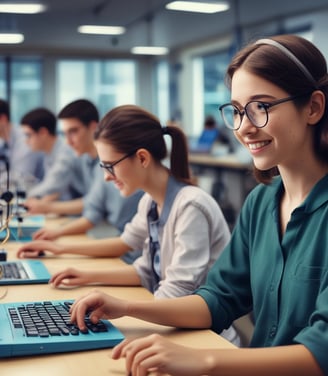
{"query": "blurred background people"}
{"type": "Point", "coordinates": [78, 121]}
{"type": "Point", "coordinates": [26, 165]}
{"type": "Point", "coordinates": [40, 130]}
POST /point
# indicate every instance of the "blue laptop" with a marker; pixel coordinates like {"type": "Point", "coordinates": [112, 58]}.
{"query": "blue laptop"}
{"type": "Point", "coordinates": [44, 327]}
{"type": "Point", "coordinates": [22, 229]}
{"type": "Point", "coordinates": [23, 272]}
{"type": "Point", "coordinates": [205, 141]}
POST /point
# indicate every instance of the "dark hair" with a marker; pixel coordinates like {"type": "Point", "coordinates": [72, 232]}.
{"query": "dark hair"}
{"type": "Point", "coordinates": [210, 122]}
{"type": "Point", "coordinates": [273, 65]}
{"type": "Point", "coordinates": [40, 118]}
{"type": "Point", "coordinates": [81, 109]}
{"type": "Point", "coordinates": [130, 128]}
{"type": "Point", "coordinates": [4, 108]}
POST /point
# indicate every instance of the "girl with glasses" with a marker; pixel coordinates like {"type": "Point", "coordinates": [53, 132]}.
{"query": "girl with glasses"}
{"type": "Point", "coordinates": [179, 227]}
{"type": "Point", "coordinates": [276, 263]}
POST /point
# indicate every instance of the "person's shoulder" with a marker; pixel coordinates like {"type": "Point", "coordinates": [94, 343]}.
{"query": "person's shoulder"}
{"type": "Point", "coordinates": [195, 194]}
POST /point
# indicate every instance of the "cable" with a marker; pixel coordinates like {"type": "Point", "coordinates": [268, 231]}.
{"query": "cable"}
{"type": "Point", "coordinates": [6, 196]}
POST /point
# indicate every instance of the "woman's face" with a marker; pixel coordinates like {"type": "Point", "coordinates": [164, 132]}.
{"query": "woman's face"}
{"type": "Point", "coordinates": [125, 175]}
{"type": "Point", "coordinates": [281, 141]}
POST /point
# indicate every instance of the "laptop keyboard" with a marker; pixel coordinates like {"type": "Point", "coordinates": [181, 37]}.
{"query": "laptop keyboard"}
{"type": "Point", "coordinates": [12, 270]}
{"type": "Point", "coordinates": [46, 319]}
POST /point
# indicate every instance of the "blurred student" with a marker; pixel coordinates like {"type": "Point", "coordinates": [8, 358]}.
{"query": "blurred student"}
{"type": "Point", "coordinates": [24, 163]}
{"type": "Point", "coordinates": [78, 122]}
{"type": "Point", "coordinates": [103, 203]}
{"type": "Point", "coordinates": [103, 206]}
{"type": "Point", "coordinates": [179, 227]}
{"type": "Point", "coordinates": [40, 130]}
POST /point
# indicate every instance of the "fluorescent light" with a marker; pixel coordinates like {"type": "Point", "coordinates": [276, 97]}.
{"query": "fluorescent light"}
{"type": "Point", "coordinates": [25, 8]}
{"type": "Point", "coordinates": [197, 6]}
{"type": "Point", "coordinates": [102, 30]}
{"type": "Point", "coordinates": [11, 38]}
{"type": "Point", "coordinates": [149, 50]}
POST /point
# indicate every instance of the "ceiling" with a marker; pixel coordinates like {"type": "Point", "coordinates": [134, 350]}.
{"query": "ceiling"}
{"type": "Point", "coordinates": [147, 22]}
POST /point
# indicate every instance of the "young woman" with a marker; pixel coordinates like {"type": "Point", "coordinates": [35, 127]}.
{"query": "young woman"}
{"type": "Point", "coordinates": [176, 255]}
{"type": "Point", "coordinates": [276, 263]}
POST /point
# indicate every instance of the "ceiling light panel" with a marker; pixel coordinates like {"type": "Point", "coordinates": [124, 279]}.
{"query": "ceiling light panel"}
{"type": "Point", "coordinates": [101, 30]}
{"type": "Point", "coordinates": [24, 8]}
{"type": "Point", "coordinates": [199, 7]}
{"type": "Point", "coordinates": [149, 50]}
{"type": "Point", "coordinates": [11, 38]}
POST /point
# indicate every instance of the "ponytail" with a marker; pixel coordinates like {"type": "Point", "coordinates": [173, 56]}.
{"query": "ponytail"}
{"type": "Point", "coordinates": [179, 154]}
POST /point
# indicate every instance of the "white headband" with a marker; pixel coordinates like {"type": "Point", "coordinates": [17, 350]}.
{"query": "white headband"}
{"type": "Point", "coordinates": [291, 56]}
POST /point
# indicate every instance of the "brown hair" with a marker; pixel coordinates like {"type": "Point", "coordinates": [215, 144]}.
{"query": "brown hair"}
{"type": "Point", "coordinates": [270, 63]}
{"type": "Point", "coordinates": [129, 128]}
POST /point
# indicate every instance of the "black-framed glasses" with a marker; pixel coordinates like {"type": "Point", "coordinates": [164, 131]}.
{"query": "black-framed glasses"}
{"type": "Point", "coordinates": [110, 166]}
{"type": "Point", "coordinates": [256, 112]}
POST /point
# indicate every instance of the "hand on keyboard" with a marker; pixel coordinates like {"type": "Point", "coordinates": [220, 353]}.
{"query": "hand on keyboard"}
{"type": "Point", "coordinates": [97, 305]}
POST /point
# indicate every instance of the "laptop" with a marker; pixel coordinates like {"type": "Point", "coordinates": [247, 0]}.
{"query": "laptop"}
{"type": "Point", "coordinates": [22, 228]}
{"type": "Point", "coordinates": [44, 327]}
{"type": "Point", "coordinates": [205, 141]}
{"type": "Point", "coordinates": [23, 272]}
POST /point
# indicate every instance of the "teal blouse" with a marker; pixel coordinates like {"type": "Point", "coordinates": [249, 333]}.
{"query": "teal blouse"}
{"type": "Point", "coordinates": [283, 280]}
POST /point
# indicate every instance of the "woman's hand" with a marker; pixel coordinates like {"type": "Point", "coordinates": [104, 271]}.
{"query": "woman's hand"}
{"type": "Point", "coordinates": [71, 277]}
{"type": "Point", "coordinates": [37, 248]}
{"type": "Point", "coordinates": [161, 356]}
{"type": "Point", "coordinates": [36, 206]}
{"type": "Point", "coordinates": [99, 306]}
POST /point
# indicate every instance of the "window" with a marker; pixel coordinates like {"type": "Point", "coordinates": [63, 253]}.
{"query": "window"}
{"type": "Point", "coordinates": [21, 85]}
{"type": "Point", "coordinates": [210, 90]}
{"type": "Point", "coordinates": [3, 80]}
{"type": "Point", "coordinates": [106, 83]}
{"type": "Point", "coordinates": [162, 91]}
{"type": "Point", "coordinates": [26, 87]}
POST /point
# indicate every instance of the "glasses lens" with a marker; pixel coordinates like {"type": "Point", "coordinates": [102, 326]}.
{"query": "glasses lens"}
{"type": "Point", "coordinates": [230, 116]}
{"type": "Point", "coordinates": [257, 113]}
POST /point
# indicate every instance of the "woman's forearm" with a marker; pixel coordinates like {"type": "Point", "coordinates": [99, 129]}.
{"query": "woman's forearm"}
{"type": "Point", "coordinates": [71, 207]}
{"type": "Point", "coordinates": [125, 276]}
{"type": "Point", "coordinates": [76, 226]}
{"type": "Point", "coordinates": [172, 312]}
{"type": "Point", "coordinates": [110, 247]}
{"type": "Point", "coordinates": [293, 360]}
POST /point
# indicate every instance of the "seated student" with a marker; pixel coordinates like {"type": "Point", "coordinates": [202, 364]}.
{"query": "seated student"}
{"type": "Point", "coordinates": [78, 122]}
{"type": "Point", "coordinates": [102, 204]}
{"type": "Point", "coordinates": [40, 129]}
{"type": "Point", "coordinates": [26, 165]}
{"type": "Point", "coordinates": [209, 135]}
{"type": "Point", "coordinates": [101, 201]}
{"type": "Point", "coordinates": [276, 262]}
{"type": "Point", "coordinates": [176, 254]}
